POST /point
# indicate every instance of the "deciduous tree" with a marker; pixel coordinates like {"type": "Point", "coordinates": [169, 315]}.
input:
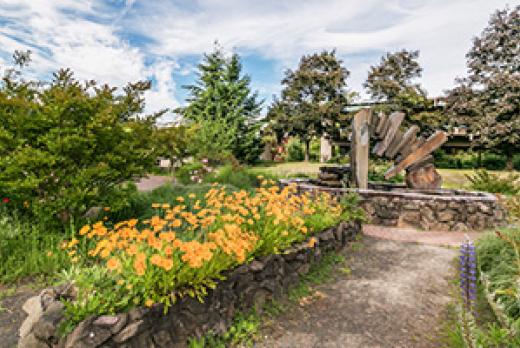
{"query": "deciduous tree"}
{"type": "Point", "coordinates": [488, 99]}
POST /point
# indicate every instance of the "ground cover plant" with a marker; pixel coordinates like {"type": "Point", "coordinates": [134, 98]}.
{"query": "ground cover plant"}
{"type": "Point", "coordinates": [183, 249]}
{"type": "Point", "coordinates": [483, 180]}
{"type": "Point", "coordinates": [499, 260]}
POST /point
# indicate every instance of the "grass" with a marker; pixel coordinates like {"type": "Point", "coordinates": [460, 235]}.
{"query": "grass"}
{"type": "Point", "coordinates": [28, 249]}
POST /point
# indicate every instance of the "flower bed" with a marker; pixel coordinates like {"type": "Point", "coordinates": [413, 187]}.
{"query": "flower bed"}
{"type": "Point", "coordinates": [169, 277]}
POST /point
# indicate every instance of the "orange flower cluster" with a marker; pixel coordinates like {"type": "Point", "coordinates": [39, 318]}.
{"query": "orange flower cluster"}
{"type": "Point", "coordinates": [186, 235]}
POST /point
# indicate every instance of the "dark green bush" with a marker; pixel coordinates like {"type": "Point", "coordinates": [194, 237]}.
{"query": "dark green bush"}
{"type": "Point", "coordinates": [456, 161]}
{"type": "Point", "coordinates": [493, 161]}
{"type": "Point", "coordinates": [516, 162]}
{"type": "Point", "coordinates": [186, 173]}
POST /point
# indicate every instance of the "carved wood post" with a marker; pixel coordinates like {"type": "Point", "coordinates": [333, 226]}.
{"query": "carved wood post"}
{"type": "Point", "coordinates": [359, 150]}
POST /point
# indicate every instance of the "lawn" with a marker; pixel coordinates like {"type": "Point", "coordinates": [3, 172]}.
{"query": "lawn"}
{"type": "Point", "coordinates": [452, 178]}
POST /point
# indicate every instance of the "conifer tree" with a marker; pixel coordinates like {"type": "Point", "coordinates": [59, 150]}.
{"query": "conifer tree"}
{"type": "Point", "coordinates": [224, 107]}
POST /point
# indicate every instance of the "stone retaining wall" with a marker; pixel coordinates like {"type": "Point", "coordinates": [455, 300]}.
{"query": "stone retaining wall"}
{"type": "Point", "coordinates": [245, 287]}
{"type": "Point", "coordinates": [445, 210]}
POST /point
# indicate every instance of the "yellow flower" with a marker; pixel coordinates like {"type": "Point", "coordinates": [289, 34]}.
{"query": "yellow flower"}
{"type": "Point", "coordinates": [312, 242]}
{"type": "Point", "coordinates": [165, 206]}
{"type": "Point", "coordinates": [156, 205]}
{"type": "Point", "coordinates": [192, 195]}
{"type": "Point", "coordinates": [120, 282]}
{"type": "Point", "coordinates": [113, 264]}
{"type": "Point", "coordinates": [148, 303]}
{"type": "Point", "coordinates": [180, 199]}
{"type": "Point", "coordinates": [49, 253]}
{"type": "Point", "coordinates": [26, 204]}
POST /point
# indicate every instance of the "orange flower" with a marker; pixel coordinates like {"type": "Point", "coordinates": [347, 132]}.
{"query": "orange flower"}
{"type": "Point", "coordinates": [180, 199]}
{"type": "Point", "coordinates": [106, 208]}
{"type": "Point", "coordinates": [113, 264]}
{"type": "Point", "coordinates": [139, 267]}
{"type": "Point", "coordinates": [84, 230]}
{"type": "Point", "coordinates": [167, 264]}
{"type": "Point", "coordinates": [192, 195]}
{"type": "Point", "coordinates": [312, 242]}
{"type": "Point", "coordinates": [148, 303]}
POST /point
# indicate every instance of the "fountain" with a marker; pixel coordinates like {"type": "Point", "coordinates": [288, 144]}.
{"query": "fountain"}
{"type": "Point", "coordinates": [421, 202]}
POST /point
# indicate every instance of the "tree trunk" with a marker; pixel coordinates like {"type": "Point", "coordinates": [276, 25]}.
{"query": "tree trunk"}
{"type": "Point", "coordinates": [307, 150]}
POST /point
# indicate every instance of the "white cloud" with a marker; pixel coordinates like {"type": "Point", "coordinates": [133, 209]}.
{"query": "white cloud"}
{"type": "Point", "coordinates": [284, 30]}
{"type": "Point", "coordinates": [88, 36]}
{"type": "Point", "coordinates": [80, 36]}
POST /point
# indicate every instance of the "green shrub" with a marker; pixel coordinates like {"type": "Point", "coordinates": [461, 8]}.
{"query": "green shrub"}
{"type": "Point", "coordinates": [493, 161]}
{"type": "Point", "coordinates": [66, 146]}
{"type": "Point", "coordinates": [189, 173]}
{"type": "Point", "coordinates": [376, 173]}
{"type": "Point", "coordinates": [483, 180]}
{"type": "Point", "coordinates": [461, 160]}
{"type": "Point", "coordinates": [516, 162]}
{"type": "Point", "coordinates": [295, 152]}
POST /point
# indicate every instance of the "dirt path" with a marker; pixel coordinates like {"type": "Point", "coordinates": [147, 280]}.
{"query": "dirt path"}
{"type": "Point", "coordinates": [394, 297]}
{"type": "Point", "coordinates": [151, 182]}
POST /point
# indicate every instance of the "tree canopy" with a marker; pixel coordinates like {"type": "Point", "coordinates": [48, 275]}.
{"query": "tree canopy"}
{"type": "Point", "coordinates": [313, 99]}
{"type": "Point", "coordinates": [488, 99]}
{"type": "Point", "coordinates": [225, 109]}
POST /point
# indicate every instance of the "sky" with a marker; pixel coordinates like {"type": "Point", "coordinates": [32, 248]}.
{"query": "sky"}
{"type": "Point", "coordinates": [117, 41]}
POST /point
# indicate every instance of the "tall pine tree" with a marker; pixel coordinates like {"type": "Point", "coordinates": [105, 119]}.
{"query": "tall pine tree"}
{"type": "Point", "coordinates": [225, 109]}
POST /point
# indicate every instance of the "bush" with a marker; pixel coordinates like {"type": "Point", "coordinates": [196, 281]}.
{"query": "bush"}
{"type": "Point", "coordinates": [295, 152]}
{"type": "Point", "coordinates": [184, 248]}
{"type": "Point", "coordinates": [483, 180]}
{"type": "Point", "coordinates": [66, 146]}
{"type": "Point", "coordinates": [516, 162]}
{"type": "Point", "coordinates": [457, 161]}
{"type": "Point", "coordinates": [493, 161]}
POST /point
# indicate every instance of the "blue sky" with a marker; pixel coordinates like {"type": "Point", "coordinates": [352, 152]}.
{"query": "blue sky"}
{"type": "Point", "coordinates": [117, 41]}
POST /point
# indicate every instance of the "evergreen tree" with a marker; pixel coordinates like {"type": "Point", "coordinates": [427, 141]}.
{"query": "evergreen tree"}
{"type": "Point", "coordinates": [488, 99]}
{"type": "Point", "coordinates": [313, 100]}
{"type": "Point", "coordinates": [222, 104]}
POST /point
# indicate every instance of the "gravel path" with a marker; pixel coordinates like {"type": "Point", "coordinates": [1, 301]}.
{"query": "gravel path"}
{"type": "Point", "coordinates": [394, 297]}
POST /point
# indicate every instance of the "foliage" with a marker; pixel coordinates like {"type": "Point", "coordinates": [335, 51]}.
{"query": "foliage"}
{"type": "Point", "coordinates": [236, 177]}
{"type": "Point", "coordinates": [393, 75]}
{"type": "Point", "coordinates": [175, 143]}
{"type": "Point", "coordinates": [183, 249]}
{"type": "Point", "coordinates": [488, 99]}
{"type": "Point", "coordinates": [493, 161]}
{"type": "Point", "coordinates": [27, 248]}
{"type": "Point", "coordinates": [516, 162]}
{"type": "Point", "coordinates": [64, 145]}
{"type": "Point", "coordinates": [462, 160]}
{"type": "Point", "coordinates": [224, 109]}
{"type": "Point", "coordinates": [483, 180]}
{"type": "Point", "coordinates": [392, 82]}
{"type": "Point", "coordinates": [499, 258]}
{"type": "Point", "coordinates": [194, 172]}
{"type": "Point", "coordinates": [313, 99]}
{"type": "Point", "coordinates": [295, 152]}
{"type": "Point", "coordinates": [376, 173]}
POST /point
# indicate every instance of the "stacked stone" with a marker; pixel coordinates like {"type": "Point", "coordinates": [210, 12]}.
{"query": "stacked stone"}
{"type": "Point", "coordinates": [244, 288]}
{"type": "Point", "coordinates": [333, 176]}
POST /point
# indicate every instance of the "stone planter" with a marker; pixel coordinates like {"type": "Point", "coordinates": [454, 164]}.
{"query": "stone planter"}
{"type": "Point", "coordinates": [246, 287]}
{"type": "Point", "coordinates": [444, 210]}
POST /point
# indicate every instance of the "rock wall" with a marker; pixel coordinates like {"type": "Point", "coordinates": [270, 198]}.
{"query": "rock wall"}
{"type": "Point", "coordinates": [445, 210]}
{"type": "Point", "coordinates": [248, 286]}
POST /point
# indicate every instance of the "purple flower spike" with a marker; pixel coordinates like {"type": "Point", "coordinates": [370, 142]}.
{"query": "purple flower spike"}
{"type": "Point", "coordinates": [468, 271]}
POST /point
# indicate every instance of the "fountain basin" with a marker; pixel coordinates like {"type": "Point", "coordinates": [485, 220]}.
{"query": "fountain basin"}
{"type": "Point", "coordinates": [440, 209]}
